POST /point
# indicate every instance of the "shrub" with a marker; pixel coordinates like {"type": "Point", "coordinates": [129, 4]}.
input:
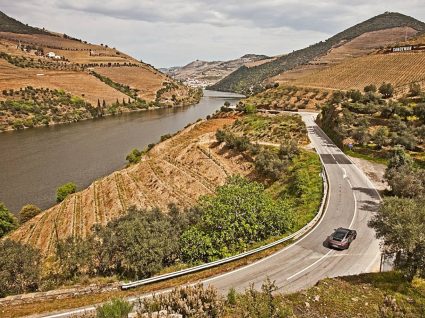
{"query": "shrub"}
{"type": "Point", "coordinates": [20, 268]}
{"type": "Point", "coordinates": [7, 220]}
{"type": "Point", "coordinates": [165, 137]}
{"type": "Point", "coordinates": [386, 89]}
{"type": "Point", "coordinates": [134, 156]}
{"type": "Point", "coordinates": [370, 88]}
{"type": "Point", "coordinates": [250, 109]}
{"type": "Point", "coordinates": [415, 89]}
{"type": "Point", "coordinates": [189, 301]}
{"type": "Point", "coordinates": [64, 190]}
{"type": "Point", "coordinates": [28, 212]}
{"type": "Point", "coordinates": [261, 304]}
{"type": "Point", "coordinates": [116, 308]}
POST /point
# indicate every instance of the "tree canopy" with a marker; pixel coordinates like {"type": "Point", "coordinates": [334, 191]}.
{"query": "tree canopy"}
{"type": "Point", "coordinates": [7, 220]}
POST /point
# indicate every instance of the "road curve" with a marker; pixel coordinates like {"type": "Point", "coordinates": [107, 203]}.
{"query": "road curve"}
{"type": "Point", "coordinates": [352, 200]}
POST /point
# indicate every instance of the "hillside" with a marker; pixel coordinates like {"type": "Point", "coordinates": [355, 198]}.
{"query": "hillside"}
{"type": "Point", "coordinates": [204, 73]}
{"type": "Point", "coordinates": [399, 69]}
{"type": "Point", "coordinates": [245, 80]}
{"type": "Point", "coordinates": [8, 24]}
{"type": "Point", "coordinates": [97, 80]}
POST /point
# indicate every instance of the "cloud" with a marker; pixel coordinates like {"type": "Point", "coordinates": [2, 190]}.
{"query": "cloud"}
{"type": "Point", "coordinates": [174, 32]}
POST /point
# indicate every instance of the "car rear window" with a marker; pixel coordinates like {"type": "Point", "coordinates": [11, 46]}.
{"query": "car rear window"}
{"type": "Point", "coordinates": [339, 236]}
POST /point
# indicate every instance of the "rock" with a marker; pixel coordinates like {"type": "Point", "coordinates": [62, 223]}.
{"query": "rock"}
{"type": "Point", "coordinates": [307, 304]}
{"type": "Point", "coordinates": [355, 299]}
{"type": "Point", "coordinates": [317, 298]}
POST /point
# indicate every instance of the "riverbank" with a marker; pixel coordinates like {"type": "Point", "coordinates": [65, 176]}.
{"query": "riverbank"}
{"type": "Point", "coordinates": [37, 161]}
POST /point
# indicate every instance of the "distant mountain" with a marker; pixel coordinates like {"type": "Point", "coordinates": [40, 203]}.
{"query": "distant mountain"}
{"type": "Point", "coordinates": [245, 79]}
{"type": "Point", "coordinates": [203, 73]}
{"type": "Point", "coordinates": [8, 24]}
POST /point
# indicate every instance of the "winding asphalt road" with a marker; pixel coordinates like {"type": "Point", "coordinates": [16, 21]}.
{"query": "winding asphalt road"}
{"type": "Point", "coordinates": [352, 200]}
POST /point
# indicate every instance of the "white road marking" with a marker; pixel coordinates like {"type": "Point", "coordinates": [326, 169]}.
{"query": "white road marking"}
{"type": "Point", "coordinates": [311, 265]}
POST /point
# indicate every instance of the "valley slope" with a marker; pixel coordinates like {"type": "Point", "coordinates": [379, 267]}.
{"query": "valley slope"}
{"type": "Point", "coordinates": [49, 78]}
{"type": "Point", "coordinates": [359, 40]}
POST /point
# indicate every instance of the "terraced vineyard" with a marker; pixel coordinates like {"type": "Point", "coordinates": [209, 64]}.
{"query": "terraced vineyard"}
{"type": "Point", "coordinates": [399, 69]}
{"type": "Point", "coordinates": [178, 170]}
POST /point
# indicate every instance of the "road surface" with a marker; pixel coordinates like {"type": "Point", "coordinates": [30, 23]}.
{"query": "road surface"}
{"type": "Point", "coordinates": [352, 200]}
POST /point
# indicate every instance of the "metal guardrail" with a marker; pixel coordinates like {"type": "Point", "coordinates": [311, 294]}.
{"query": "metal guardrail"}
{"type": "Point", "coordinates": [198, 268]}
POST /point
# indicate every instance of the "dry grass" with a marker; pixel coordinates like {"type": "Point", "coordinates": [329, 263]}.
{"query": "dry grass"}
{"type": "Point", "coordinates": [145, 79]}
{"type": "Point", "coordinates": [77, 83]}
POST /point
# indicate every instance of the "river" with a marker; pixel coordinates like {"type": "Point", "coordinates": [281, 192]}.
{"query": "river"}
{"type": "Point", "coordinates": [35, 162]}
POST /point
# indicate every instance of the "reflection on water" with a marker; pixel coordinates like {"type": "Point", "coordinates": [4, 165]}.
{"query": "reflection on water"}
{"type": "Point", "coordinates": [34, 162]}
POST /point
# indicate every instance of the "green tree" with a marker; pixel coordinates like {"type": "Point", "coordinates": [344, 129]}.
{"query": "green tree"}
{"type": "Point", "coordinates": [138, 244]}
{"type": "Point", "coordinates": [20, 268]}
{"type": "Point", "coordinates": [64, 190]}
{"type": "Point", "coordinates": [7, 221]}
{"type": "Point", "coordinates": [386, 89]}
{"type": "Point", "coordinates": [75, 257]}
{"type": "Point", "coordinates": [400, 223]}
{"type": "Point", "coordinates": [28, 212]}
{"type": "Point", "coordinates": [380, 137]}
{"type": "Point", "coordinates": [240, 213]}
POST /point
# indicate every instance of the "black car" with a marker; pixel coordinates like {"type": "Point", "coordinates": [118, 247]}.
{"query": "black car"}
{"type": "Point", "coordinates": [341, 238]}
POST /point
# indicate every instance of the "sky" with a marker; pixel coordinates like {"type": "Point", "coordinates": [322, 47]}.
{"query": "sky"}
{"type": "Point", "coordinates": [168, 33]}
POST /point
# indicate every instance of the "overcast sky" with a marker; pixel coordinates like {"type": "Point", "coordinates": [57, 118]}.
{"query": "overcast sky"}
{"type": "Point", "coordinates": [168, 33]}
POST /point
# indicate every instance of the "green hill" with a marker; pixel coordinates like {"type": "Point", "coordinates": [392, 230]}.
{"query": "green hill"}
{"type": "Point", "coordinates": [244, 79]}
{"type": "Point", "coordinates": [8, 24]}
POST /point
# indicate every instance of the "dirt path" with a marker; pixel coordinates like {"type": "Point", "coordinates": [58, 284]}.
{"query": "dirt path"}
{"type": "Point", "coordinates": [375, 172]}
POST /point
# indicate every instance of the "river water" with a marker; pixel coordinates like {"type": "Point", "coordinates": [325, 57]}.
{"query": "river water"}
{"type": "Point", "coordinates": [34, 162]}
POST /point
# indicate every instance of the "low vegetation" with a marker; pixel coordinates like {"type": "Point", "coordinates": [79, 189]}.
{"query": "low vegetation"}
{"type": "Point", "coordinates": [373, 125]}
{"type": "Point", "coordinates": [33, 107]}
{"type": "Point", "coordinates": [289, 98]}
{"type": "Point", "coordinates": [366, 295]}
{"type": "Point", "coordinates": [64, 190]}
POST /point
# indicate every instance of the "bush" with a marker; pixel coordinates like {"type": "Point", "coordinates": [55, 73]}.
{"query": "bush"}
{"type": "Point", "coordinates": [134, 156]}
{"type": "Point", "coordinates": [7, 220]}
{"type": "Point", "coordinates": [189, 301]}
{"type": "Point", "coordinates": [116, 308]}
{"type": "Point", "coordinates": [386, 89]}
{"type": "Point", "coordinates": [20, 268]}
{"type": "Point", "coordinates": [370, 88]}
{"type": "Point", "coordinates": [250, 109]}
{"type": "Point", "coordinates": [261, 304]}
{"type": "Point", "coordinates": [269, 165]}
{"type": "Point", "coordinates": [415, 89]}
{"type": "Point", "coordinates": [28, 212]}
{"type": "Point", "coordinates": [64, 190]}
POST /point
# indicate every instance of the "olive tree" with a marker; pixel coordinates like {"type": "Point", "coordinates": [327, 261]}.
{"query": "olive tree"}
{"type": "Point", "coordinates": [400, 223]}
{"type": "Point", "coordinates": [28, 212]}
{"type": "Point", "coordinates": [7, 220]}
